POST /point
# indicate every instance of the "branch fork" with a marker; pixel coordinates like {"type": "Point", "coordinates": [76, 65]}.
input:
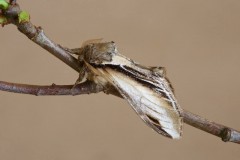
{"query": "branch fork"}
{"type": "Point", "coordinates": [10, 14]}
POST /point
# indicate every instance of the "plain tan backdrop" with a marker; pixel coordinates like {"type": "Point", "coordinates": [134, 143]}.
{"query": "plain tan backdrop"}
{"type": "Point", "coordinates": [197, 41]}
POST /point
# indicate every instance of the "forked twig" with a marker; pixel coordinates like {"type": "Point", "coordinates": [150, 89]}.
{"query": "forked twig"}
{"type": "Point", "coordinates": [225, 133]}
{"type": "Point", "coordinates": [37, 35]}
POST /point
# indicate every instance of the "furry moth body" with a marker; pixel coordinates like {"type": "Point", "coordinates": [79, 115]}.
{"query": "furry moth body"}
{"type": "Point", "coordinates": [146, 89]}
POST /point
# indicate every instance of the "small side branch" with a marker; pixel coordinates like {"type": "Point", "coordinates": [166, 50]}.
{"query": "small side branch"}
{"type": "Point", "coordinates": [36, 34]}
{"type": "Point", "coordinates": [83, 88]}
{"type": "Point", "coordinates": [225, 133]}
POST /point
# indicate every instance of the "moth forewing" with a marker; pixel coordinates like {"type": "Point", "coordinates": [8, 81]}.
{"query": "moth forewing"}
{"type": "Point", "coordinates": [145, 88]}
{"type": "Point", "coordinates": [148, 104]}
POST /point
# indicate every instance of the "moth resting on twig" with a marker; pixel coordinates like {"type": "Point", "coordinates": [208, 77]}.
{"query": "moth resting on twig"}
{"type": "Point", "coordinates": [146, 89]}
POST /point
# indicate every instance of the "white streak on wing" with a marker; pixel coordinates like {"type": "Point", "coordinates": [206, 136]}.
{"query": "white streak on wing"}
{"type": "Point", "coordinates": [144, 100]}
{"type": "Point", "coordinates": [166, 122]}
{"type": "Point", "coordinates": [120, 59]}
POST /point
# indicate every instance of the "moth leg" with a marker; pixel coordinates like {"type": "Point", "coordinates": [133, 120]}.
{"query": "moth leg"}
{"type": "Point", "coordinates": [77, 51]}
{"type": "Point", "coordinates": [81, 78]}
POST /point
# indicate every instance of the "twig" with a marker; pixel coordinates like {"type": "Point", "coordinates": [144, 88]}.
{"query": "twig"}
{"type": "Point", "coordinates": [83, 88]}
{"type": "Point", "coordinates": [225, 133]}
{"type": "Point", "coordinates": [36, 35]}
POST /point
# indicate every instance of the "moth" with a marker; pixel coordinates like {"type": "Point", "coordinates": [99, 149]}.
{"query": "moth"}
{"type": "Point", "coordinates": [146, 89]}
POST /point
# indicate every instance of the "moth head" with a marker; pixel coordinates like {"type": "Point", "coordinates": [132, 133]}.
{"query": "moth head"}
{"type": "Point", "coordinates": [105, 47]}
{"type": "Point", "coordinates": [97, 53]}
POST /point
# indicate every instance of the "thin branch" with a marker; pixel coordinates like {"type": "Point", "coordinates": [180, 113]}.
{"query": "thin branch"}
{"type": "Point", "coordinates": [225, 133]}
{"type": "Point", "coordinates": [36, 35]}
{"type": "Point", "coordinates": [83, 88]}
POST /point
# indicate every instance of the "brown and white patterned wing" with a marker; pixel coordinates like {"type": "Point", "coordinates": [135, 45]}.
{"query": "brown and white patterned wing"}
{"type": "Point", "coordinates": [146, 98]}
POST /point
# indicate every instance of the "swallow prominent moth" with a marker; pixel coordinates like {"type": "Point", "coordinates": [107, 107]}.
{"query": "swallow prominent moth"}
{"type": "Point", "coordinates": [146, 89]}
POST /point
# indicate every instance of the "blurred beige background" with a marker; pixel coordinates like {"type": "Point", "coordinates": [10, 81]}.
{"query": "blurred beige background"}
{"type": "Point", "coordinates": [197, 41]}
